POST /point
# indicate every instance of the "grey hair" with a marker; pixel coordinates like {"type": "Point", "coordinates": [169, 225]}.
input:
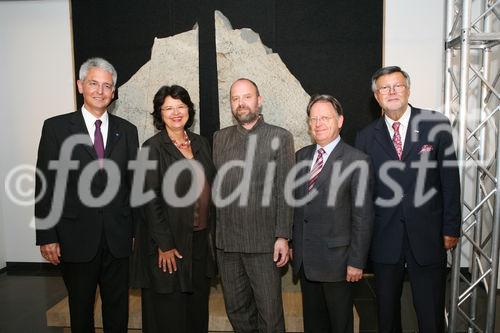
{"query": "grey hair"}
{"type": "Point", "coordinates": [325, 98]}
{"type": "Point", "coordinates": [97, 63]}
{"type": "Point", "coordinates": [389, 70]}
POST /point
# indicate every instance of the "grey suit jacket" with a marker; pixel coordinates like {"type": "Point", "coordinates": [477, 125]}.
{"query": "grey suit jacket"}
{"type": "Point", "coordinates": [327, 237]}
{"type": "Point", "coordinates": [254, 225]}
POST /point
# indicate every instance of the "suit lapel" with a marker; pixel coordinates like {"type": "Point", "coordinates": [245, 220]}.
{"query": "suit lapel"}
{"type": "Point", "coordinates": [383, 138]}
{"type": "Point", "coordinates": [170, 147]}
{"type": "Point", "coordinates": [195, 143]}
{"type": "Point", "coordinates": [78, 127]}
{"type": "Point", "coordinates": [113, 135]}
{"type": "Point", "coordinates": [308, 156]}
{"type": "Point", "coordinates": [412, 134]}
{"type": "Point", "coordinates": [326, 172]}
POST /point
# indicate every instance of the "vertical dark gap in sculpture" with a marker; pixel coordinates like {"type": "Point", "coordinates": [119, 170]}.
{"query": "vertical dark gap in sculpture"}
{"type": "Point", "coordinates": [209, 92]}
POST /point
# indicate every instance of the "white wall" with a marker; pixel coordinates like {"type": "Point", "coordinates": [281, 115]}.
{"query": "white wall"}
{"type": "Point", "coordinates": [414, 40]}
{"type": "Point", "coordinates": [37, 82]}
{"type": "Point", "coordinates": [2, 239]}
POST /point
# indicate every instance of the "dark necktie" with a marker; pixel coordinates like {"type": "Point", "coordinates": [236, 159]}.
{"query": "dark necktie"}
{"type": "Point", "coordinates": [396, 139]}
{"type": "Point", "coordinates": [98, 140]}
{"type": "Point", "coordinates": [316, 169]}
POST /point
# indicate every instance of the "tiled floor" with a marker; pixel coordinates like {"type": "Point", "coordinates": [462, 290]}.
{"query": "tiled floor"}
{"type": "Point", "coordinates": [24, 299]}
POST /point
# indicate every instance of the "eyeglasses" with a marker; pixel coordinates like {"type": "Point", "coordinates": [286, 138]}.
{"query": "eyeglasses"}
{"type": "Point", "coordinates": [323, 119]}
{"type": "Point", "coordinates": [94, 85]}
{"type": "Point", "coordinates": [172, 109]}
{"type": "Point", "coordinates": [397, 88]}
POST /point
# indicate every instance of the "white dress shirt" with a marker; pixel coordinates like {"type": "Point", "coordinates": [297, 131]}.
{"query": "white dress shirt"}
{"type": "Point", "coordinates": [403, 128]}
{"type": "Point", "coordinates": [328, 150]}
{"type": "Point", "coordinates": [90, 119]}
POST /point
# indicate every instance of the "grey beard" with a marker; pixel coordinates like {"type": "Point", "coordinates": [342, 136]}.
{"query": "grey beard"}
{"type": "Point", "coordinates": [247, 118]}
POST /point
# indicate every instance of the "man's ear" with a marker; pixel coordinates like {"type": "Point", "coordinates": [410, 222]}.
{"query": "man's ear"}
{"type": "Point", "coordinates": [340, 121]}
{"type": "Point", "coordinates": [79, 84]}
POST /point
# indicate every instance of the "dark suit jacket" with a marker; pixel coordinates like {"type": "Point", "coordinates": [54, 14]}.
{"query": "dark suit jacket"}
{"type": "Point", "coordinates": [167, 226]}
{"type": "Point", "coordinates": [79, 229]}
{"type": "Point", "coordinates": [328, 238]}
{"type": "Point", "coordinates": [428, 137]}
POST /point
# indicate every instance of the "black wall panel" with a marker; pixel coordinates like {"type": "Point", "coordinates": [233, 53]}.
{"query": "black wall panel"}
{"type": "Point", "coordinates": [330, 46]}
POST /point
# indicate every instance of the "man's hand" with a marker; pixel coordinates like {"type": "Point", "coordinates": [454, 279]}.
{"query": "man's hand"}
{"type": "Point", "coordinates": [449, 242]}
{"type": "Point", "coordinates": [280, 255]}
{"type": "Point", "coordinates": [166, 260]}
{"type": "Point", "coordinates": [353, 274]}
{"type": "Point", "coordinates": [51, 252]}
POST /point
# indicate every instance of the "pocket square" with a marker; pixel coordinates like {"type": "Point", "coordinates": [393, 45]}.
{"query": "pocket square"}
{"type": "Point", "coordinates": [426, 149]}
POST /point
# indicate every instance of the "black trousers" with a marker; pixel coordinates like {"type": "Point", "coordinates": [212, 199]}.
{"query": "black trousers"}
{"type": "Point", "coordinates": [327, 306]}
{"type": "Point", "coordinates": [181, 312]}
{"type": "Point", "coordinates": [428, 284]}
{"type": "Point", "coordinates": [81, 279]}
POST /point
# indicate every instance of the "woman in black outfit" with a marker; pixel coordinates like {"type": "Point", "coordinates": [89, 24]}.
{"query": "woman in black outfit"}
{"type": "Point", "coordinates": [173, 258]}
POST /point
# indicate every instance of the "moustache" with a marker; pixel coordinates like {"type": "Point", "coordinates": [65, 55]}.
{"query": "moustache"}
{"type": "Point", "coordinates": [240, 108]}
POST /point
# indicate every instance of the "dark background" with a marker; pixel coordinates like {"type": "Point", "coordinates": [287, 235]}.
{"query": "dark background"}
{"type": "Point", "coordinates": [330, 46]}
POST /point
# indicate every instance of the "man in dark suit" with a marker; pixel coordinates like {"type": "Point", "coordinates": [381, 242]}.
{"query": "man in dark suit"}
{"type": "Point", "coordinates": [80, 226]}
{"type": "Point", "coordinates": [332, 228]}
{"type": "Point", "coordinates": [417, 207]}
{"type": "Point", "coordinates": [253, 227]}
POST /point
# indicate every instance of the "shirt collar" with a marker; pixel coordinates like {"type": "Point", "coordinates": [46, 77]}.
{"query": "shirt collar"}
{"type": "Point", "coordinates": [329, 147]}
{"type": "Point", "coordinates": [90, 119]}
{"type": "Point", "coordinates": [404, 120]}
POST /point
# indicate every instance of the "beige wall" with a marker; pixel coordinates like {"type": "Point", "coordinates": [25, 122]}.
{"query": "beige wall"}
{"type": "Point", "coordinates": [414, 40]}
{"type": "Point", "coordinates": [37, 82]}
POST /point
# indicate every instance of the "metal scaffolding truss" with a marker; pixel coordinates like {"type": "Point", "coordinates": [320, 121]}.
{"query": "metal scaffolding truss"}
{"type": "Point", "coordinates": [472, 94]}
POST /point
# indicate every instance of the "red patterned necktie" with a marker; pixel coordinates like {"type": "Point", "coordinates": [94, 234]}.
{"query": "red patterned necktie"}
{"type": "Point", "coordinates": [98, 140]}
{"type": "Point", "coordinates": [316, 169]}
{"type": "Point", "coordinates": [396, 139]}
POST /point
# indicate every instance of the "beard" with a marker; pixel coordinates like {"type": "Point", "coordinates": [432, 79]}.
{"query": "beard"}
{"type": "Point", "coordinates": [245, 118]}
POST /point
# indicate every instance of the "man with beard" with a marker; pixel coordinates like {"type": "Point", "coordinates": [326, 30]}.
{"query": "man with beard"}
{"type": "Point", "coordinates": [253, 219]}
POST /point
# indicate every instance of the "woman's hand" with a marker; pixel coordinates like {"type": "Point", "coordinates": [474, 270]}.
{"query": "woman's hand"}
{"type": "Point", "coordinates": [166, 260]}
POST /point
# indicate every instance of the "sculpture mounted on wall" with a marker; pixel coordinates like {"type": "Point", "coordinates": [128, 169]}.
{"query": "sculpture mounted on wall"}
{"type": "Point", "coordinates": [240, 53]}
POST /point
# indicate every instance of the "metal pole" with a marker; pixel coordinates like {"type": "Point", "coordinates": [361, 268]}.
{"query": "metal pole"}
{"type": "Point", "coordinates": [478, 228]}
{"type": "Point", "coordinates": [495, 242]}
{"type": "Point", "coordinates": [448, 84]}
{"type": "Point", "coordinates": [464, 78]}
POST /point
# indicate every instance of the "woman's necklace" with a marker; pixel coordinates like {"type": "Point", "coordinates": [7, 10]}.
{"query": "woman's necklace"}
{"type": "Point", "coordinates": [182, 145]}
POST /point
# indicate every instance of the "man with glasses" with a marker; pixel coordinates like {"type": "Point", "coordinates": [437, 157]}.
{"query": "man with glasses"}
{"type": "Point", "coordinates": [331, 238]}
{"type": "Point", "coordinates": [90, 242]}
{"type": "Point", "coordinates": [417, 207]}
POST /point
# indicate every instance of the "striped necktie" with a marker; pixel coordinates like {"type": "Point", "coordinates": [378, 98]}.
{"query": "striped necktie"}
{"type": "Point", "coordinates": [316, 169]}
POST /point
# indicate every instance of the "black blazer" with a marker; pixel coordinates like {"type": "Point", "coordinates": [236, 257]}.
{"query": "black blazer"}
{"type": "Point", "coordinates": [166, 226]}
{"type": "Point", "coordinates": [328, 238]}
{"type": "Point", "coordinates": [428, 137]}
{"type": "Point", "coordinates": [79, 228]}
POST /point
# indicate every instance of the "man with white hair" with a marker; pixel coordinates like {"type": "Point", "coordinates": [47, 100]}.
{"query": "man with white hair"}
{"type": "Point", "coordinates": [90, 243]}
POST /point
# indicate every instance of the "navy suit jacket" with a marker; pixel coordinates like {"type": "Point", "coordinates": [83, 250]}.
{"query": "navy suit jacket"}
{"type": "Point", "coordinates": [80, 228]}
{"type": "Point", "coordinates": [428, 218]}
